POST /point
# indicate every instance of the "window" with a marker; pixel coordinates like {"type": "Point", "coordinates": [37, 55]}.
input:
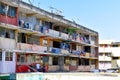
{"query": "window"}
{"type": "Point", "coordinates": [2, 8]}
{"type": "Point", "coordinates": [100, 54]}
{"type": "Point", "coordinates": [87, 49]}
{"type": "Point", "coordinates": [93, 62]}
{"type": "Point", "coordinates": [33, 40]}
{"type": "Point", "coordinates": [9, 56]}
{"type": "Point", "coordinates": [22, 37]}
{"type": "Point", "coordinates": [7, 33]}
{"type": "Point", "coordinates": [115, 45]}
{"type": "Point", "coordinates": [115, 58]}
{"type": "Point", "coordinates": [21, 58]}
{"type": "Point", "coordinates": [56, 44]}
{"type": "Point", "coordinates": [108, 54]}
{"type": "Point", "coordinates": [44, 42]}
{"type": "Point", "coordinates": [0, 55]}
{"type": "Point", "coordinates": [11, 10]}
{"type": "Point", "coordinates": [55, 60]}
{"type": "Point", "coordinates": [57, 28]}
{"type": "Point", "coordinates": [86, 61]}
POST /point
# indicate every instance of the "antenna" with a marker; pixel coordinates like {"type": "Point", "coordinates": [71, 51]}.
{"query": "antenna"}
{"type": "Point", "coordinates": [57, 11]}
{"type": "Point", "coordinates": [39, 4]}
{"type": "Point", "coordinates": [73, 21]}
{"type": "Point", "coordinates": [30, 3]}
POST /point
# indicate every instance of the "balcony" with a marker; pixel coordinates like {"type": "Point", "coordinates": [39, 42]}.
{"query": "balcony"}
{"type": "Point", "coordinates": [53, 68]}
{"type": "Point", "coordinates": [31, 47]}
{"type": "Point", "coordinates": [101, 58]}
{"type": "Point", "coordinates": [116, 51]}
{"type": "Point", "coordinates": [66, 68]}
{"type": "Point", "coordinates": [104, 58]}
{"type": "Point", "coordinates": [105, 49]}
{"type": "Point", "coordinates": [64, 36]}
{"type": "Point", "coordinates": [104, 65]}
{"type": "Point", "coordinates": [75, 52]}
{"type": "Point", "coordinates": [92, 42]}
{"type": "Point", "coordinates": [53, 33]}
{"type": "Point", "coordinates": [107, 58]}
{"type": "Point", "coordinates": [63, 51]}
{"type": "Point", "coordinates": [7, 43]}
{"type": "Point", "coordinates": [85, 68]}
{"type": "Point", "coordinates": [92, 55]}
{"type": "Point", "coordinates": [55, 50]}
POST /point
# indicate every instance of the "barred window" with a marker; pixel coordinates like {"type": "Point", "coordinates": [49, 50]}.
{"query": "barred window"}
{"type": "Point", "coordinates": [9, 56]}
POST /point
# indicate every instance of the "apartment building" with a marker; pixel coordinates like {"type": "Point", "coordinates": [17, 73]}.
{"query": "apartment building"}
{"type": "Point", "coordinates": [30, 35]}
{"type": "Point", "coordinates": [105, 52]}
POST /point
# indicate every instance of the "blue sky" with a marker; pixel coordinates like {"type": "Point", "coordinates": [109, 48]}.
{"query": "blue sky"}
{"type": "Point", "coordinates": [102, 16]}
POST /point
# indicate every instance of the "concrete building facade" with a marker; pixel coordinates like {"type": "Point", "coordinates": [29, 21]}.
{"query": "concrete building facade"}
{"type": "Point", "coordinates": [109, 54]}
{"type": "Point", "coordinates": [105, 52]}
{"type": "Point", "coordinates": [30, 35]}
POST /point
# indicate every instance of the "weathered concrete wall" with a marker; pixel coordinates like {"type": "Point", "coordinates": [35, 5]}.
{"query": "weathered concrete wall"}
{"type": "Point", "coordinates": [67, 76]}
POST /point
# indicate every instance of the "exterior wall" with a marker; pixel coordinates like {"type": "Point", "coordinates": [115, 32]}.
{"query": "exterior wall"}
{"type": "Point", "coordinates": [6, 43]}
{"type": "Point", "coordinates": [8, 66]}
{"type": "Point", "coordinates": [105, 54]}
{"type": "Point", "coordinates": [105, 65]}
{"type": "Point", "coordinates": [66, 68]}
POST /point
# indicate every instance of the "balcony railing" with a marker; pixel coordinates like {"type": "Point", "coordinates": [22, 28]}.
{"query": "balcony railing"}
{"type": "Point", "coordinates": [53, 33]}
{"type": "Point", "coordinates": [105, 49]}
{"type": "Point", "coordinates": [85, 68]}
{"type": "Point", "coordinates": [64, 36]}
{"type": "Point", "coordinates": [7, 43]}
{"type": "Point", "coordinates": [64, 51]}
{"type": "Point", "coordinates": [31, 47]}
{"type": "Point", "coordinates": [92, 42]}
{"type": "Point", "coordinates": [53, 68]}
{"type": "Point", "coordinates": [92, 55]}
{"type": "Point", "coordinates": [55, 50]}
{"type": "Point", "coordinates": [104, 58]}
{"type": "Point", "coordinates": [101, 58]}
{"type": "Point", "coordinates": [115, 51]}
{"type": "Point", "coordinates": [108, 58]}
